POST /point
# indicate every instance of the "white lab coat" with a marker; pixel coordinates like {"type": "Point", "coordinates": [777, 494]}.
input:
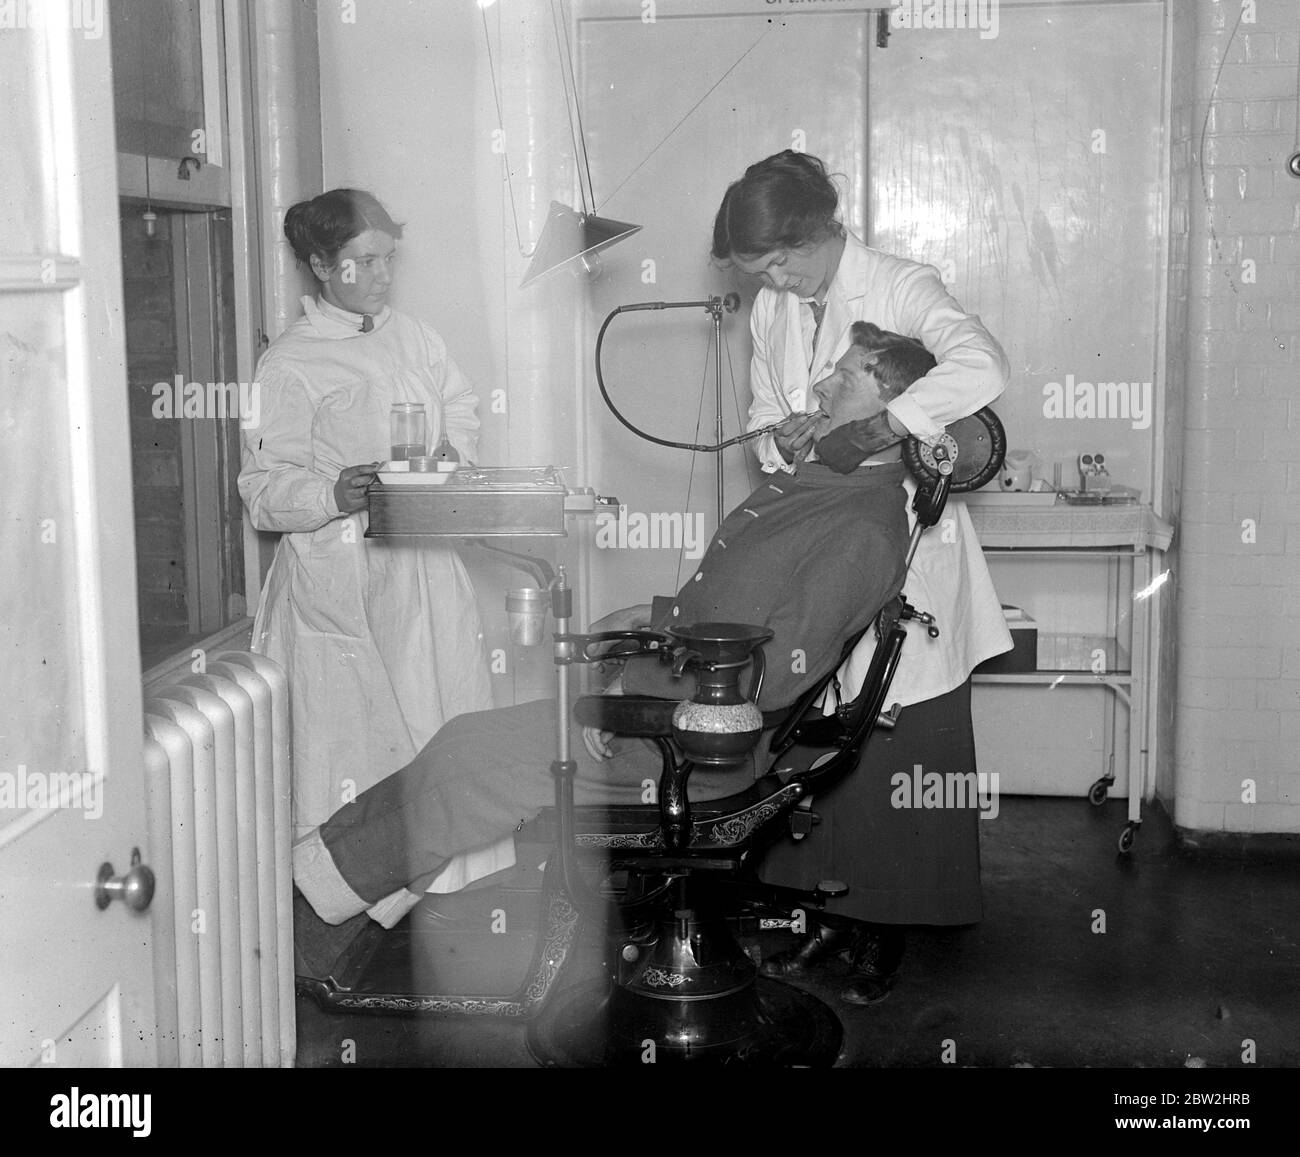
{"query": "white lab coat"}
{"type": "Point", "coordinates": [381, 639]}
{"type": "Point", "coordinates": [949, 577]}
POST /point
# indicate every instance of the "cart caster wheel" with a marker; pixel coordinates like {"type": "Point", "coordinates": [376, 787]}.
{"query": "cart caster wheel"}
{"type": "Point", "coordinates": [1097, 793]}
{"type": "Point", "coordinates": [1126, 838]}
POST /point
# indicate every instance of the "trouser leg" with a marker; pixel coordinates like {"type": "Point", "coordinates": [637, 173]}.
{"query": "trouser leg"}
{"type": "Point", "coordinates": [477, 780]}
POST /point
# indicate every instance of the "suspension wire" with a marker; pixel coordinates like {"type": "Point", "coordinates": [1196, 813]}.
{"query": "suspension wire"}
{"type": "Point", "coordinates": [735, 395]}
{"type": "Point", "coordinates": [501, 128]}
{"type": "Point", "coordinates": [689, 111]}
{"type": "Point", "coordinates": [581, 138]}
{"type": "Point", "coordinates": [704, 382]}
{"type": "Point", "coordinates": [690, 479]}
{"type": "Point", "coordinates": [1205, 125]}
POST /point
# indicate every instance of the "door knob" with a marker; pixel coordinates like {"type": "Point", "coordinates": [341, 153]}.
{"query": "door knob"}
{"type": "Point", "coordinates": [135, 888]}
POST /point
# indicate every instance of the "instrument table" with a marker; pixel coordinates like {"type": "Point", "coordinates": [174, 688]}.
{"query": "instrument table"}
{"type": "Point", "coordinates": [476, 502]}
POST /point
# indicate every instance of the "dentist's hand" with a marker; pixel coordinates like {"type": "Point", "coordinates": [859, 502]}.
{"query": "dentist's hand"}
{"type": "Point", "coordinates": [350, 489]}
{"type": "Point", "coordinates": [794, 437]}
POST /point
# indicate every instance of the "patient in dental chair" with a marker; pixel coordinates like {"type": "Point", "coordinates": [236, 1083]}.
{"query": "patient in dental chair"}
{"type": "Point", "coordinates": [813, 556]}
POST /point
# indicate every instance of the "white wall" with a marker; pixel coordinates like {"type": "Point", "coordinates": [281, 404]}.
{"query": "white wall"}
{"type": "Point", "coordinates": [409, 110]}
{"type": "Point", "coordinates": [1236, 264]}
{"type": "Point", "coordinates": [400, 100]}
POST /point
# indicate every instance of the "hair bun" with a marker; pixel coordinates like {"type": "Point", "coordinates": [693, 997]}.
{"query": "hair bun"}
{"type": "Point", "coordinates": [782, 202]}
{"type": "Point", "coordinates": [322, 226]}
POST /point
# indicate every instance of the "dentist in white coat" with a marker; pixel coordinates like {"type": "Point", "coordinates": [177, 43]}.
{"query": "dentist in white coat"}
{"type": "Point", "coordinates": [903, 866]}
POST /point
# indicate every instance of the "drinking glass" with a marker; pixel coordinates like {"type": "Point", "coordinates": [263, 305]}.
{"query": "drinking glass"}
{"type": "Point", "coordinates": [408, 431]}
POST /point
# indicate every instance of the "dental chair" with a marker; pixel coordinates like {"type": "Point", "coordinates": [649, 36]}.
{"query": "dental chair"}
{"type": "Point", "coordinates": [677, 985]}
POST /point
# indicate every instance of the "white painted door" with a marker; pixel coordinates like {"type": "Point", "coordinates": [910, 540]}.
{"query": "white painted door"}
{"type": "Point", "coordinates": [76, 982]}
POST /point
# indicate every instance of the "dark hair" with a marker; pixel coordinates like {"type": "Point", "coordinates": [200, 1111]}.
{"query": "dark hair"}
{"type": "Point", "coordinates": [322, 226]}
{"type": "Point", "coordinates": [782, 202]}
{"type": "Point", "coordinates": [900, 361]}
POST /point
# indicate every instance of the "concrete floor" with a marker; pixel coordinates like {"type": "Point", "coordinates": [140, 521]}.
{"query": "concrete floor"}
{"type": "Point", "coordinates": [1198, 954]}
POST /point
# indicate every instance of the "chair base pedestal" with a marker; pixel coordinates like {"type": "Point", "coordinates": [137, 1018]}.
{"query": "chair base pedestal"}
{"type": "Point", "coordinates": [598, 1024]}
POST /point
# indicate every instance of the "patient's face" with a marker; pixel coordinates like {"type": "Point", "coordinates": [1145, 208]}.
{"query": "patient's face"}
{"type": "Point", "coordinates": [852, 392]}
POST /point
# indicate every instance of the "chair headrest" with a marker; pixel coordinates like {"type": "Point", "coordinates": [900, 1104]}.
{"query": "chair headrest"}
{"type": "Point", "coordinates": [977, 445]}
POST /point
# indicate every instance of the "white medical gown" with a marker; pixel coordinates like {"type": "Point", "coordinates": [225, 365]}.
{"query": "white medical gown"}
{"type": "Point", "coordinates": [949, 577]}
{"type": "Point", "coordinates": [381, 638]}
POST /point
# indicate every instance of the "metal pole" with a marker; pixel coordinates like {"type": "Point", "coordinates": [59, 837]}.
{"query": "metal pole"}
{"type": "Point", "coordinates": [717, 369]}
{"type": "Point", "coordinates": [562, 597]}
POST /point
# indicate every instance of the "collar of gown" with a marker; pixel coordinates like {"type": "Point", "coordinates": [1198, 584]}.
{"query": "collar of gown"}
{"type": "Point", "coordinates": [331, 322]}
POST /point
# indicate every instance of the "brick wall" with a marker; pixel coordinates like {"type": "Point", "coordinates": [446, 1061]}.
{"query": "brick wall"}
{"type": "Point", "coordinates": [1233, 432]}
{"type": "Point", "coordinates": [151, 356]}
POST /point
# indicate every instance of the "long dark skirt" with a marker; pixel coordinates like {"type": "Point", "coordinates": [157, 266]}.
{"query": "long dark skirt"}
{"type": "Point", "coordinates": [903, 865]}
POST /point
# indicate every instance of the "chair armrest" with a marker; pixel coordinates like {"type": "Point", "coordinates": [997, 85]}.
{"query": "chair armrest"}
{"type": "Point", "coordinates": [637, 715]}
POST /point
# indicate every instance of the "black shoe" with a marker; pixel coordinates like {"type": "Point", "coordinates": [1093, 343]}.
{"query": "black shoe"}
{"type": "Point", "coordinates": [876, 959]}
{"type": "Point", "coordinates": [317, 946]}
{"type": "Point", "coordinates": [821, 946]}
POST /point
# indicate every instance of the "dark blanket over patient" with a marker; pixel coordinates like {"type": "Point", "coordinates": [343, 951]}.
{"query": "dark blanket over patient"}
{"type": "Point", "coordinates": [813, 556]}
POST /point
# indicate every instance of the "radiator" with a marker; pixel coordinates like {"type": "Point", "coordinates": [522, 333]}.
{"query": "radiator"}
{"type": "Point", "coordinates": [217, 775]}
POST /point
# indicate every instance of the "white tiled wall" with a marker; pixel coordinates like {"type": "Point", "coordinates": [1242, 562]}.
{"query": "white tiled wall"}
{"type": "Point", "coordinates": [1236, 710]}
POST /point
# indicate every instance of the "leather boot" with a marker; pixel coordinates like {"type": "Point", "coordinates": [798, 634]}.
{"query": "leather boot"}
{"type": "Point", "coordinates": [318, 947]}
{"type": "Point", "coordinates": [877, 956]}
{"type": "Point", "coordinates": [823, 944]}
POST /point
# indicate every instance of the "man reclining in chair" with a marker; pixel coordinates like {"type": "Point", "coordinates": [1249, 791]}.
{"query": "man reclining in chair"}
{"type": "Point", "coordinates": [812, 555]}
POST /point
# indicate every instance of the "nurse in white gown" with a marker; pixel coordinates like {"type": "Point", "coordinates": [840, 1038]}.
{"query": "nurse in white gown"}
{"type": "Point", "coordinates": [381, 641]}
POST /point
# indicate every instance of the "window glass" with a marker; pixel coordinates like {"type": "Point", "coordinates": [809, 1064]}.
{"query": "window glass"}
{"type": "Point", "coordinates": [157, 76]}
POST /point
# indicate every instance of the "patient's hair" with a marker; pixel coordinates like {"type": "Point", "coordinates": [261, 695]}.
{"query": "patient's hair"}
{"type": "Point", "coordinates": [900, 361]}
{"type": "Point", "coordinates": [322, 226]}
{"type": "Point", "coordinates": [782, 202]}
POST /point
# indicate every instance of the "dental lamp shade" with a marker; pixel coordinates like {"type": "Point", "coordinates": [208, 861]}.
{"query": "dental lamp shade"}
{"type": "Point", "coordinates": [569, 236]}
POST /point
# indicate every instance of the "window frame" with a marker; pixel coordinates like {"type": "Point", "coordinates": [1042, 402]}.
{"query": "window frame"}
{"type": "Point", "coordinates": [225, 183]}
